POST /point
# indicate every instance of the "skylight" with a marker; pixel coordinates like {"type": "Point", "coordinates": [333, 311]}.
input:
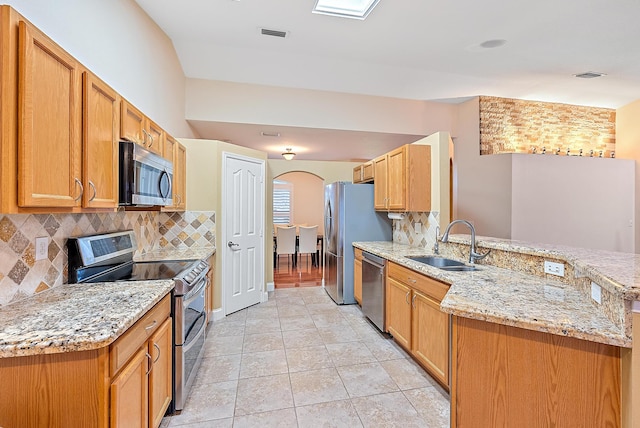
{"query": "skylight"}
{"type": "Point", "coordinates": [358, 9]}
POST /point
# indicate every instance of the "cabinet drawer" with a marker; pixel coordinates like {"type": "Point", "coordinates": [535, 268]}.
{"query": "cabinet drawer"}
{"type": "Point", "coordinates": [357, 253]}
{"type": "Point", "coordinates": [127, 344]}
{"type": "Point", "coordinates": [431, 287]}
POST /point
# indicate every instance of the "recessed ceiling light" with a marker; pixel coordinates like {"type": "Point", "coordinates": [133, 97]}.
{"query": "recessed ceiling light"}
{"type": "Point", "coordinates": [589, 75]}
{"type": "Point", "coordinates": [494, 43]}
{"type": "Point", "coordinates": [357, 9]}
{"type": "Point", "coordinates": [270, 134]}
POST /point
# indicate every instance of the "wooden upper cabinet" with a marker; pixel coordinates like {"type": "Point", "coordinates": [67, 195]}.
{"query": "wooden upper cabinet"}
{"type": "Point", "coordinates": [136, 127]}
{"type": "Point", "coordinates": [101, 117]}
{"type": "Point", "coordinates": [380, 186]}
{"type": "Point", "coordinates": [403, 179]}
{"type": "Point", "coordinates": [132, 124]}
{"type": "Point", "coordinates": [368, 173]}
{"type": "Point", "coordinates": [357, 174]}
{"type": "Point", "coordinates": [50, 122]}
{"type": "Point", "coordinates": [155, 140]}
{"type": "Point", "coordinates": [177, 153]}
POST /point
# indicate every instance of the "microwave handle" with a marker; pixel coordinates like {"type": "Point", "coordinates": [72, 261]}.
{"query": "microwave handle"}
{"type": "Point", "coordinates": [165, 174]}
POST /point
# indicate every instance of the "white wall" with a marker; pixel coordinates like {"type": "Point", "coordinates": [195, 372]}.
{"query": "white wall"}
{"type": "Point", "coordinates": [308, 198]}
{"type": "Point", "coordinates": [118, 42]}
{"type": "Point", "coordinates": [246, 103]}
{"type": "Point", "coordinates": [628, 147]}
{"type": "Point", "coordinates": [576, 201]}
{"type": "Point", "coordinates": [481, 184]}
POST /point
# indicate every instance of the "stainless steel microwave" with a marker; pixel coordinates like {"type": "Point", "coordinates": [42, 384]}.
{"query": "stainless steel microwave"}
{"type": "Point", "coordinates": [146, 179]}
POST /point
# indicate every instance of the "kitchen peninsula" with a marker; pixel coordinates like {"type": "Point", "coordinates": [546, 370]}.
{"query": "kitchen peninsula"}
{"type": "Point", "coordinates": [529, 348]}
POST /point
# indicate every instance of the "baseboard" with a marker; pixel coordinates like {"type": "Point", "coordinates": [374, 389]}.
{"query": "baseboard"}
{"type": "Point", "coordinates": [271, 286]}
{"type": "Point", "coordinates": [265, 297]}
{"type": "Point", "coordinates": [218, 314]}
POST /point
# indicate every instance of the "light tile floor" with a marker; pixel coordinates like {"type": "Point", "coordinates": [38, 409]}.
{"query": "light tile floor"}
{"type": "Point", "coordinates": [300, 360]}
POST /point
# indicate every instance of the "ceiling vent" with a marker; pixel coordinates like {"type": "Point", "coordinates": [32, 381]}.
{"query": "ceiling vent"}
{"type": "Point", "coordinates": [274, 33]}
{"type": "Point", "coordinates": [589, 75]}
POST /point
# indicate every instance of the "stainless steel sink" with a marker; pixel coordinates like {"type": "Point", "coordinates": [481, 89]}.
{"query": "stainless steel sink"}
{"type": "Point", "coordinates": [443, 263]}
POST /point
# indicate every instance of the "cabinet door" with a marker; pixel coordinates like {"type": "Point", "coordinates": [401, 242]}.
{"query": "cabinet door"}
{"type": "Point", "coordinates": [357, 280]}
{"type": "Point", "coordinates": [380, 184]}
{"type": "Point", "coordinates": [129, 394]}
{"type": "Point", "coordinates": [430, 338]}
{"type": "Point", "coordinates": [357, 174]}
{"type": "Point", "coordinates": [155, 140]}
{"type": "Point", "coordinates": [168, 152]}
{"type": "Point", "coordinates": [398, 310]}
{"type": "Point", "coordinates": [49, 117]}
{"type": "Point", "coordinates": [101, 120]}
{"type": "Point", "coordinates": [397, 179]}
{"type": "Point", "coordinates": [160, 376]}
{"type": "Point", "coordinates": [367, 172]}
{"type": "Point", "coordinates": [180, 177]}
{"type": "Point", "coordinates": [132, 123]}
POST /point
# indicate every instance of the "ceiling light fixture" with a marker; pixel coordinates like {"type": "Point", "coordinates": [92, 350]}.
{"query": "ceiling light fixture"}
{"type": "Point", "coordinates": [589, 75]}
{"type": "Point", "coordinates": [357, 9]}
{"type": "Point", "coordinates": [288, 154]}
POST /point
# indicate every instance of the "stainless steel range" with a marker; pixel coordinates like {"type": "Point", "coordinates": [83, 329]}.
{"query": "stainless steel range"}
{"type": "Point", "coordinates": [109, 257]}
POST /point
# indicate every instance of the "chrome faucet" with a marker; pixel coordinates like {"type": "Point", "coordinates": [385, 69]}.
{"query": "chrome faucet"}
{"type": "Point", "coordinates": [473, 255]}
{"type": "Point", "coordinates": [436, 247]}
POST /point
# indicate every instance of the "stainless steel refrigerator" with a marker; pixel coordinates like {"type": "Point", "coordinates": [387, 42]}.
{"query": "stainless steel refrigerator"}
{"type": "Point", "coordinates": [348, 217]}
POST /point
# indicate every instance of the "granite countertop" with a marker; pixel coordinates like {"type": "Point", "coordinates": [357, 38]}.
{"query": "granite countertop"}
{"type": "Point", "coordinates": [176, 254]}
{"type": "Point", "coordinates": [76, 317]}
{"type": "Point", "coordinates": [619, 272]}
{"type": "Point", "coordinates": [511, 298]}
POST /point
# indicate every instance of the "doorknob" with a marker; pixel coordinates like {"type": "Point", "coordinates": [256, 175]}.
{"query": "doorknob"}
{"type": "Point", "coordinates": [230, 244]}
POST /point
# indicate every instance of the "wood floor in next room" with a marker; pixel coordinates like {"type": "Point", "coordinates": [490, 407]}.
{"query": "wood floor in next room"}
{"type": "Point", "coordinates": [303, 274]}
{"type": "Point", "coordinates": [300, 360]}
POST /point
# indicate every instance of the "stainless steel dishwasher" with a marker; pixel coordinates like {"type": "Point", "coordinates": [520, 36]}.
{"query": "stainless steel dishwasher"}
{"type": "Point", "coordinates": [373, 285]}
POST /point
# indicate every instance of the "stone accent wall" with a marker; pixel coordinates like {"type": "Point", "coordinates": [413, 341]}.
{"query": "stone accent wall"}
{"type": "Point", "coordinates": [519, 126]}
{"type": "Point", "coordinates": [22, 276]}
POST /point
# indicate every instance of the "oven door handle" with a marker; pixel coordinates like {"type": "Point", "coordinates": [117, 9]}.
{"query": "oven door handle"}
{"type": "Point", "coordinates": [187, 346]}
{"type": "Point", "coordinates": [194, 292]}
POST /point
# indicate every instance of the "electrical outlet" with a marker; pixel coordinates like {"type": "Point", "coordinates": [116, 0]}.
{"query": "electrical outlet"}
{"type": "Point", "coordinates": [554, 268]}
{"type": "Point", "coordinates": [418, 227]}
{"type": "Point", "coordinates": [596, 292]}
{"type": "Point", "coordinates": [42, 248]}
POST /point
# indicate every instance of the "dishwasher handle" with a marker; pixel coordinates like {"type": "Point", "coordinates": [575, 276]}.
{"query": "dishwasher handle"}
{"type": "Point", "coordinates": [374, 260]}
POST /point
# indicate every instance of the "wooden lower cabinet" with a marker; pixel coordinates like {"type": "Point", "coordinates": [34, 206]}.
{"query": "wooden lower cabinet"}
{"type": "Point", "coordinates": [430, 339]}
{"type": "Point", "coordinates": [415, 321]}
{"type": "Point", "coordinates": [357, 275]}
{"type": "Point", "coordinates": [511, 377]}
{"type": "Point", "coordinates": [398, 312]}
{"type": "Point", "coordinates": [126, 384]}
{"type": "Point", "coordinates": [160, 376]}
{"type": "Point", "coordinates": [130, 393]}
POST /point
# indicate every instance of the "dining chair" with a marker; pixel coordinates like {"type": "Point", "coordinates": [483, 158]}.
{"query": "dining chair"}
{"type": "Point", "coordinates": [308, 242]}
{"type": "Point", "coordinates": [286, 243]}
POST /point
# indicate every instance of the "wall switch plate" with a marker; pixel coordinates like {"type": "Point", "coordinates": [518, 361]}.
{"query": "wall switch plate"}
{"type": "Point", "coordinates": [596, 292]}
{"type": "Point", "coordinates": [42, 248]}
{"type": "Point", "coordinates": [554, 268]}
{"type": "Point", "coordinates": [418, 227]}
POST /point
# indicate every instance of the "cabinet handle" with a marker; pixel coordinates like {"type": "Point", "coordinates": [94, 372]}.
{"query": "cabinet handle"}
{"type": "Point", "coordinates": [81, 190]}
{"type": "Point", "coordinates": [413, 301]}
{"type": "Point", "coordinates": [151, 138]}
{"type": "Point", "coordinates": [144, 137]}
{"type": "Point", "coordinates": [406, 298]}
{"type": "Point", "coordinates": [411, 280]}
{"type": "Point", "coordinates": [150, 363]}
{"type": "Point", "coordinates": [150, 326]}
{"type": "Point", "coordinates": [179, 199]}
{"type": "Point", "coordinates": [155, 345]}
{"type": "Point", "coordinates": [93, 186]}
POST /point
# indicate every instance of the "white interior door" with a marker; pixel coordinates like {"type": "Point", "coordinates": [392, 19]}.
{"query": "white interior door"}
{"type": "Point", "coordinates": [243, 224]}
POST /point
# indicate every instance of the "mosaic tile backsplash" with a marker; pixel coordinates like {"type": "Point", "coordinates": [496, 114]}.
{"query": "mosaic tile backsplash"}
{"type": "Point", "coordinates": [404, 231]}
{"type": "Point", "coordinates": [21, 275]}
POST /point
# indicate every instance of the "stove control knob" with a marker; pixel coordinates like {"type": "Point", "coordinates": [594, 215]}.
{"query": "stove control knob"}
{"type": "Point", "coordinates": [190, 277]}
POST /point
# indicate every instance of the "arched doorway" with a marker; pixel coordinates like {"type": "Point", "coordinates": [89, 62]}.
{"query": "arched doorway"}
{"type": "Point", "coordinates": [298, 199]}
